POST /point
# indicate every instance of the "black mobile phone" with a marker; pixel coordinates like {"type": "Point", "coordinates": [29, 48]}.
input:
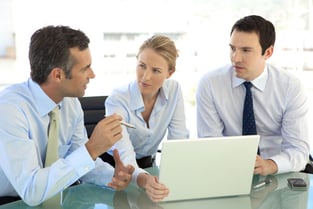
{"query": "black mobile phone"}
{"type": "Point", "coordinates": [297, 184]}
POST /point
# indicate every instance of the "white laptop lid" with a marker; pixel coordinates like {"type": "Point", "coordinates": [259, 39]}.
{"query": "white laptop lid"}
{"type": "Point", "coordinates": [208, 167]}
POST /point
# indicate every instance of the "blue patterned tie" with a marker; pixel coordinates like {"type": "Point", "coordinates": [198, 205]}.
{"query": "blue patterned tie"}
{"type": "Point", "coordinates": [248, 120]}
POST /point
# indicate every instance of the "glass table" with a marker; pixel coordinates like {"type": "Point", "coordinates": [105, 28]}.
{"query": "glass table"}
{"type": "Point", "coordinates": [276, 195]}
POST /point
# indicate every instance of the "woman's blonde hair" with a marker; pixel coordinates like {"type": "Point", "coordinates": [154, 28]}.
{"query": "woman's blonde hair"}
{"type": "Point", "coordinates": [164, 46]}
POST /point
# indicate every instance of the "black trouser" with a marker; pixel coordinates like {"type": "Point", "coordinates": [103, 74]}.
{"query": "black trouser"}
{"type": "Point", "coordinates": [8, 199]}
{"type": "Point", "coordinates": [144, 162]}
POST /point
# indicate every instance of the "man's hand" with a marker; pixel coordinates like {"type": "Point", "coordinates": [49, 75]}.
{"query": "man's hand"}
{"type": "Point", "coordinates": [105, 134]}
{"type": "Point", "coordinates": [122, 174]}
{"type": "Point", "coordinates": [264, 167]}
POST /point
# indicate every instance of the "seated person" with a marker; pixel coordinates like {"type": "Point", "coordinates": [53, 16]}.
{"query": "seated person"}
{"type": "Point", "coordinates": [60, 64]}
{"type": "Point", "coordinates": [279, 102]}
{"type": "Point", "coordinates": [152, 103]}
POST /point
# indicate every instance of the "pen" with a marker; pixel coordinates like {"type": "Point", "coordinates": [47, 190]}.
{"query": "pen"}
{"type": "Point", "coordinates": [127, 124]}
{"type": "Point", "coordinates": [262, 183]}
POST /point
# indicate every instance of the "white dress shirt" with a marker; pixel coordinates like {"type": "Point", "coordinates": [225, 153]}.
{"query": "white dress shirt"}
{"type": "Point", "coordinates": [280, 108]}
{"type": "Point", "coordinates": [167, 116]}
{"type": "Point", "coordinates": [24, 124]}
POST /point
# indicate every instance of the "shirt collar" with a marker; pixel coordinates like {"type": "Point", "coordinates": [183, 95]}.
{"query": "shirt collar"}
{"type": "Point", "coordinates": [42, 101]}
{"type": "Point", "coordinates": [136, 97]}
{"type": "Point", "coordinates": [164, 91]}
{"type": "Point", "coordinates": [258, 82]}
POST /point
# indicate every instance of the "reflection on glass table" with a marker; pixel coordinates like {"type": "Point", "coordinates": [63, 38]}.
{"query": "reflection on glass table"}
{"type": "Point", "coordinates": [278, 195]}
{"type": "Point", "coordinates": [274, 195]}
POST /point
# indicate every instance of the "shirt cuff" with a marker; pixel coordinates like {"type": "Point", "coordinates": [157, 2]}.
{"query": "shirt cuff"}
{"type": "Point", "coordinates": [81, 161]}
{"type": "Point", "coordinates": [136, 174]}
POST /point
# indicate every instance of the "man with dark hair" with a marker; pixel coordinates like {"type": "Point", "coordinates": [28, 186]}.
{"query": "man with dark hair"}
{"type": "Point", "coordinates": [60, 64]}
{"type": "Point", "coordinates": [278, 102]}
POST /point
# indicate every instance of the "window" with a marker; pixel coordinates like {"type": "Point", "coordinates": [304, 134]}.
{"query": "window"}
{"type": "Point", "coordinates": [117, 28]}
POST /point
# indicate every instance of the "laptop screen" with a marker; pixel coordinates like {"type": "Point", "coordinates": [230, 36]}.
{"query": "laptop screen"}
{"type": "Point", "coordinates": [208, 167]}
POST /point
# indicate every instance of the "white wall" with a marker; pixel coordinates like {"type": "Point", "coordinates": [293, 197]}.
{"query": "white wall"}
{"type": "Point", "coordinates": [6, 27]}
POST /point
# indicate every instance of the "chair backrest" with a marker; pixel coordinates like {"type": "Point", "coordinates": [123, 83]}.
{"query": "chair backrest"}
{"type": "Point", "coordinates": [309, 165]}
{"type": "Point", "coordinates": [94, 111]}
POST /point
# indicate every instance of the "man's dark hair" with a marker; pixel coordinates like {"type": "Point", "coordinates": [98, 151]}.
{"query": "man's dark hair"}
{"type": "Point", "coordinates": [262, 27]}
{"type": "Point", "coordinates": [50, 48]}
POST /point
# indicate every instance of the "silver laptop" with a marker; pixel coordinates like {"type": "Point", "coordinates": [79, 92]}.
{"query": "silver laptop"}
{"type": "Point", "coordinates": [208, 167]}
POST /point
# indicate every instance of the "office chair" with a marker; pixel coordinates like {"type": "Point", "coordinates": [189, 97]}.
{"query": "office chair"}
{"type": "Point", "coordinates": [94, 111]}
{"type": "Point", "coordinates": [309, 166]}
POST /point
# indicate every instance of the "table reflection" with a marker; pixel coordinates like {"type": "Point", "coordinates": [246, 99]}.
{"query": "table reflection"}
{"type": "Point", "coordinates": [274, 195]}
{"type": "Point", "coordinates": [88, 196]}
{"type": "Point", "coordinates": [279, 196]}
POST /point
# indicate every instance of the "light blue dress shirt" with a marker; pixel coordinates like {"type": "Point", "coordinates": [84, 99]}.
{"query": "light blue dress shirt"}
{"type": "Point", "coordinates": [24, 124]}
{"type": "Point", "coordinates": [280, 108]}
{"type": "Point", "coordinates": [167, 116]}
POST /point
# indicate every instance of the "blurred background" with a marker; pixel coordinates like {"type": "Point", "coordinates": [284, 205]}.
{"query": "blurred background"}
{"type": "Point", "coordinates": [200, 28]}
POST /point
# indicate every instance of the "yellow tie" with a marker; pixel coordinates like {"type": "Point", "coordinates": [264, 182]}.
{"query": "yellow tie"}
{"type": "Point", "coordinates": [52, 154]}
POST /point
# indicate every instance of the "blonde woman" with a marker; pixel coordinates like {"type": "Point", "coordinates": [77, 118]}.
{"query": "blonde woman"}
{"type": "Point", "coordinates": [154, 104]}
